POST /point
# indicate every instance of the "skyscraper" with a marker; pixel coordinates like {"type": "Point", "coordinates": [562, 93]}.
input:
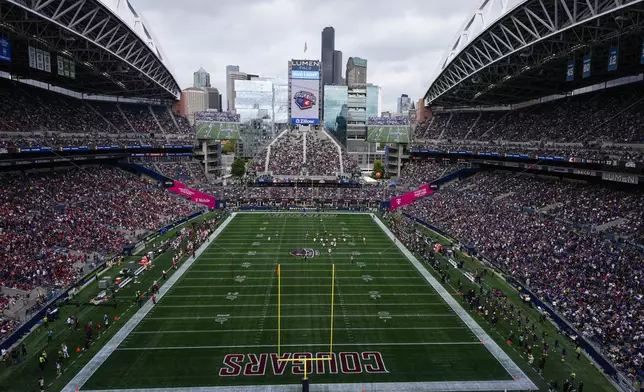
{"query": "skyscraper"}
{"type": "Point", "coordinates": [403, 104]}
{"type": "Point", "coordinates": [230, 83]}
{"type": "Point", "coordinates": [213, 98]}
{"type": "Point", "coordinates": [356, 72]}
{"type": "Point", "coordinates": [201, 79]}
{"type": "Point", "coordinates": [328, 47]}
{"type": "Point", "coordinates": [229, 87]}
{"type": "Point", "coordinates": [337, 68]}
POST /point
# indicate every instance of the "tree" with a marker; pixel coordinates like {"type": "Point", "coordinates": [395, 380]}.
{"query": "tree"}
{"type": "Point", "coordinates": [238, 168]}
{"type": "Point", "coordinates": [378, 167]}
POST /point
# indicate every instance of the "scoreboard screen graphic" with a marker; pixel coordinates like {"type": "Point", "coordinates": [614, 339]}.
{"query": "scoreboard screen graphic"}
{"type": "Point", "coordinates": [305, 92]}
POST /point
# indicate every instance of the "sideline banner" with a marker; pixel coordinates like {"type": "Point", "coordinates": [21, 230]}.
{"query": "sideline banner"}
{"type": "Point", "coordinates": [193, 194]}
{"type": "Point", "coordinates": [410, 197]}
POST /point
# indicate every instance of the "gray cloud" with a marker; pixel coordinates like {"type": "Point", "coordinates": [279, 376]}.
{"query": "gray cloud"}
{"type": "Point", "coordinates": [403, 40]}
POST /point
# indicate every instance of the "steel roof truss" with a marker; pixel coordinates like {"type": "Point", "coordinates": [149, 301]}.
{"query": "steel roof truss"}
{"type": "Point", "coordinates": [57, 16]}
{"type": "Point", "coordinates": [113, 31]}
{"type": "Point", "coordinates": [505, 42]}
{"type": "Point", "coordinates": [507, 31]}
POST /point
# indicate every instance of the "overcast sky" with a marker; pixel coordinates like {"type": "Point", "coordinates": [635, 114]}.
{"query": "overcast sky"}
{"type": "Point", "coordinates": [402, 40]}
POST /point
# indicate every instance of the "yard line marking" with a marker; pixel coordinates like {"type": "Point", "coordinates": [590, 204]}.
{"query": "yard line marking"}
{"type": "Point", "coordinates": [476, 343]}
{"type": "Point", "coordinates": [297, 330]}
{"type": "Point", "coordinates": [303, 316]}
{"type": "Point", "coordinates": [296, 304]}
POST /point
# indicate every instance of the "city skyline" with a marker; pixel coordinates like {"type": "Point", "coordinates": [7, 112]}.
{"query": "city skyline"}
{"type": "Point", "coordinates": [371, 29]}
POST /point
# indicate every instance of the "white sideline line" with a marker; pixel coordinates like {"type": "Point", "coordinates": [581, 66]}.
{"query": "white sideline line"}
{"type": "Point", "coordinates": [358, 270]}
{"type": "Point", "coordinates": [243, 286]}
{"type": "Point", "coordinates": [295, 295]}
{"type": "Point", "coordinates": [305, 316]}
{"type": "Point", "coordinates": [345, 263]}
{"type": "Point", "coordinates": [233, 305]}
{"type": "Point", "coordinates": [296, 330]}
{"type": "Point", "coordinates": [429, 386]}
{"type": "Point", "coordinates": [286, 253]}
{"type": "Point", "coordinates": [101, 356]}
{"type": "Point", "coordinates": [307, 278]}
{"type": "Point", "coordinates": [274, 346]}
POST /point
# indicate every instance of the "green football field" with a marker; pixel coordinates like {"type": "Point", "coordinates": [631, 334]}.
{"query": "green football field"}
{"type": "Point", "coordinates": [217, 130]}
{"type": "Point", "coordinates": [388, 133]}
{"type": "Point", "coordinates": [216, 322]}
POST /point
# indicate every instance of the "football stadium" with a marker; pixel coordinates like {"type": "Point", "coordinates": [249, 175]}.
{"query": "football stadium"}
{"type": "Point", "coordinates": [497, 243]}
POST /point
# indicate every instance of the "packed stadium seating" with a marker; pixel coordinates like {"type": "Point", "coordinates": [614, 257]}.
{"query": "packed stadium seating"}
{"type": "Point", "coordinates": [53, 222]}
{"type": "Point", "coordinates": [421, 172]}
{"type": "Point", "coordinates": [322, 155]}
{"type": "Point", "coordinates": [594, 282]}
{"type": "Point", "coordinates": [287, 154]}
{"type": "Point", "coordinates": [33, 117]}
{"type": "Point", "coordinates": [185, 171]}
{"type": "Point", "coordinates": [236, 193]}
{"type": "Point", "coordinates": [313, 153]}
{"type": "Point", "coordinates": [611, 114]}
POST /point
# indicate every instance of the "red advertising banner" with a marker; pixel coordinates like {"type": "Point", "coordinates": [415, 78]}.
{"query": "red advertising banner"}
{"type": "Point", "coordinates": [193, 194]}
{"type": "Point", "coordinates": [410, 197]}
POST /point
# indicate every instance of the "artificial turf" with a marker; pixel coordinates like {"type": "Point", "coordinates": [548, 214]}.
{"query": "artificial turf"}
{"type": "Point", "coordinates": [226, 304]}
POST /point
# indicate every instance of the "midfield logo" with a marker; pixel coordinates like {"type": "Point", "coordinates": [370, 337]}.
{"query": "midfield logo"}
{"type": "Point", "coordinates": [304, 100]}
{"type": "Point", "coordinates": [305, 252]}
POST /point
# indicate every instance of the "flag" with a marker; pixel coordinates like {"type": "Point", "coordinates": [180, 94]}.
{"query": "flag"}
{"type": "Point", "coordinates": [278, 270]}
{"type": "Point", "coordinates": [305, 47]}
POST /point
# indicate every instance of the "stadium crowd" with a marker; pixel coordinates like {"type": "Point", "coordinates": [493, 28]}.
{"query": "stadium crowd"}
{"type": "Point", "coordinates": [420, 172]}
{"type": "Point", "coordinates": [535, 150]}
{"type": "Point", "coordinates": [322, 157]}
{"type": "Point", "coordinates": [611, 114]}
{"type": "Point", "coordinates": [288, 157]}
{"type": "Point", "coordinates": [54, 223]}
{"type": "Point", "coordinates": [34, 117]}
{"type": "Point", "coordinates": [287, 154]}
{"type": "Point", "coordinates": [238, 193]}
{"type": "Point", "coordinates": [593, 281]}
{"type": "Point", "coordinates": [188, 172]}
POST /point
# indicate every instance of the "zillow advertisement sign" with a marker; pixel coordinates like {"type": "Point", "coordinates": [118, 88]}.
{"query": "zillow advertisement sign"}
{"type": "Point", "coordinates": [305, 92]}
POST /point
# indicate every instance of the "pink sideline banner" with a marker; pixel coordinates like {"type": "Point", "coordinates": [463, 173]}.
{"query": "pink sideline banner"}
{"type": "Point", "coordinates": [193, 194]}
{"type": "Point", "coordinates": [410, 197]}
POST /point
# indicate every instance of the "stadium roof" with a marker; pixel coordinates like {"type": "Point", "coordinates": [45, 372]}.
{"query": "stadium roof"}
{"type": "Point", "coordinates": [512, 51]}
{"type": "Point", "coordinates": [113, 50]}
